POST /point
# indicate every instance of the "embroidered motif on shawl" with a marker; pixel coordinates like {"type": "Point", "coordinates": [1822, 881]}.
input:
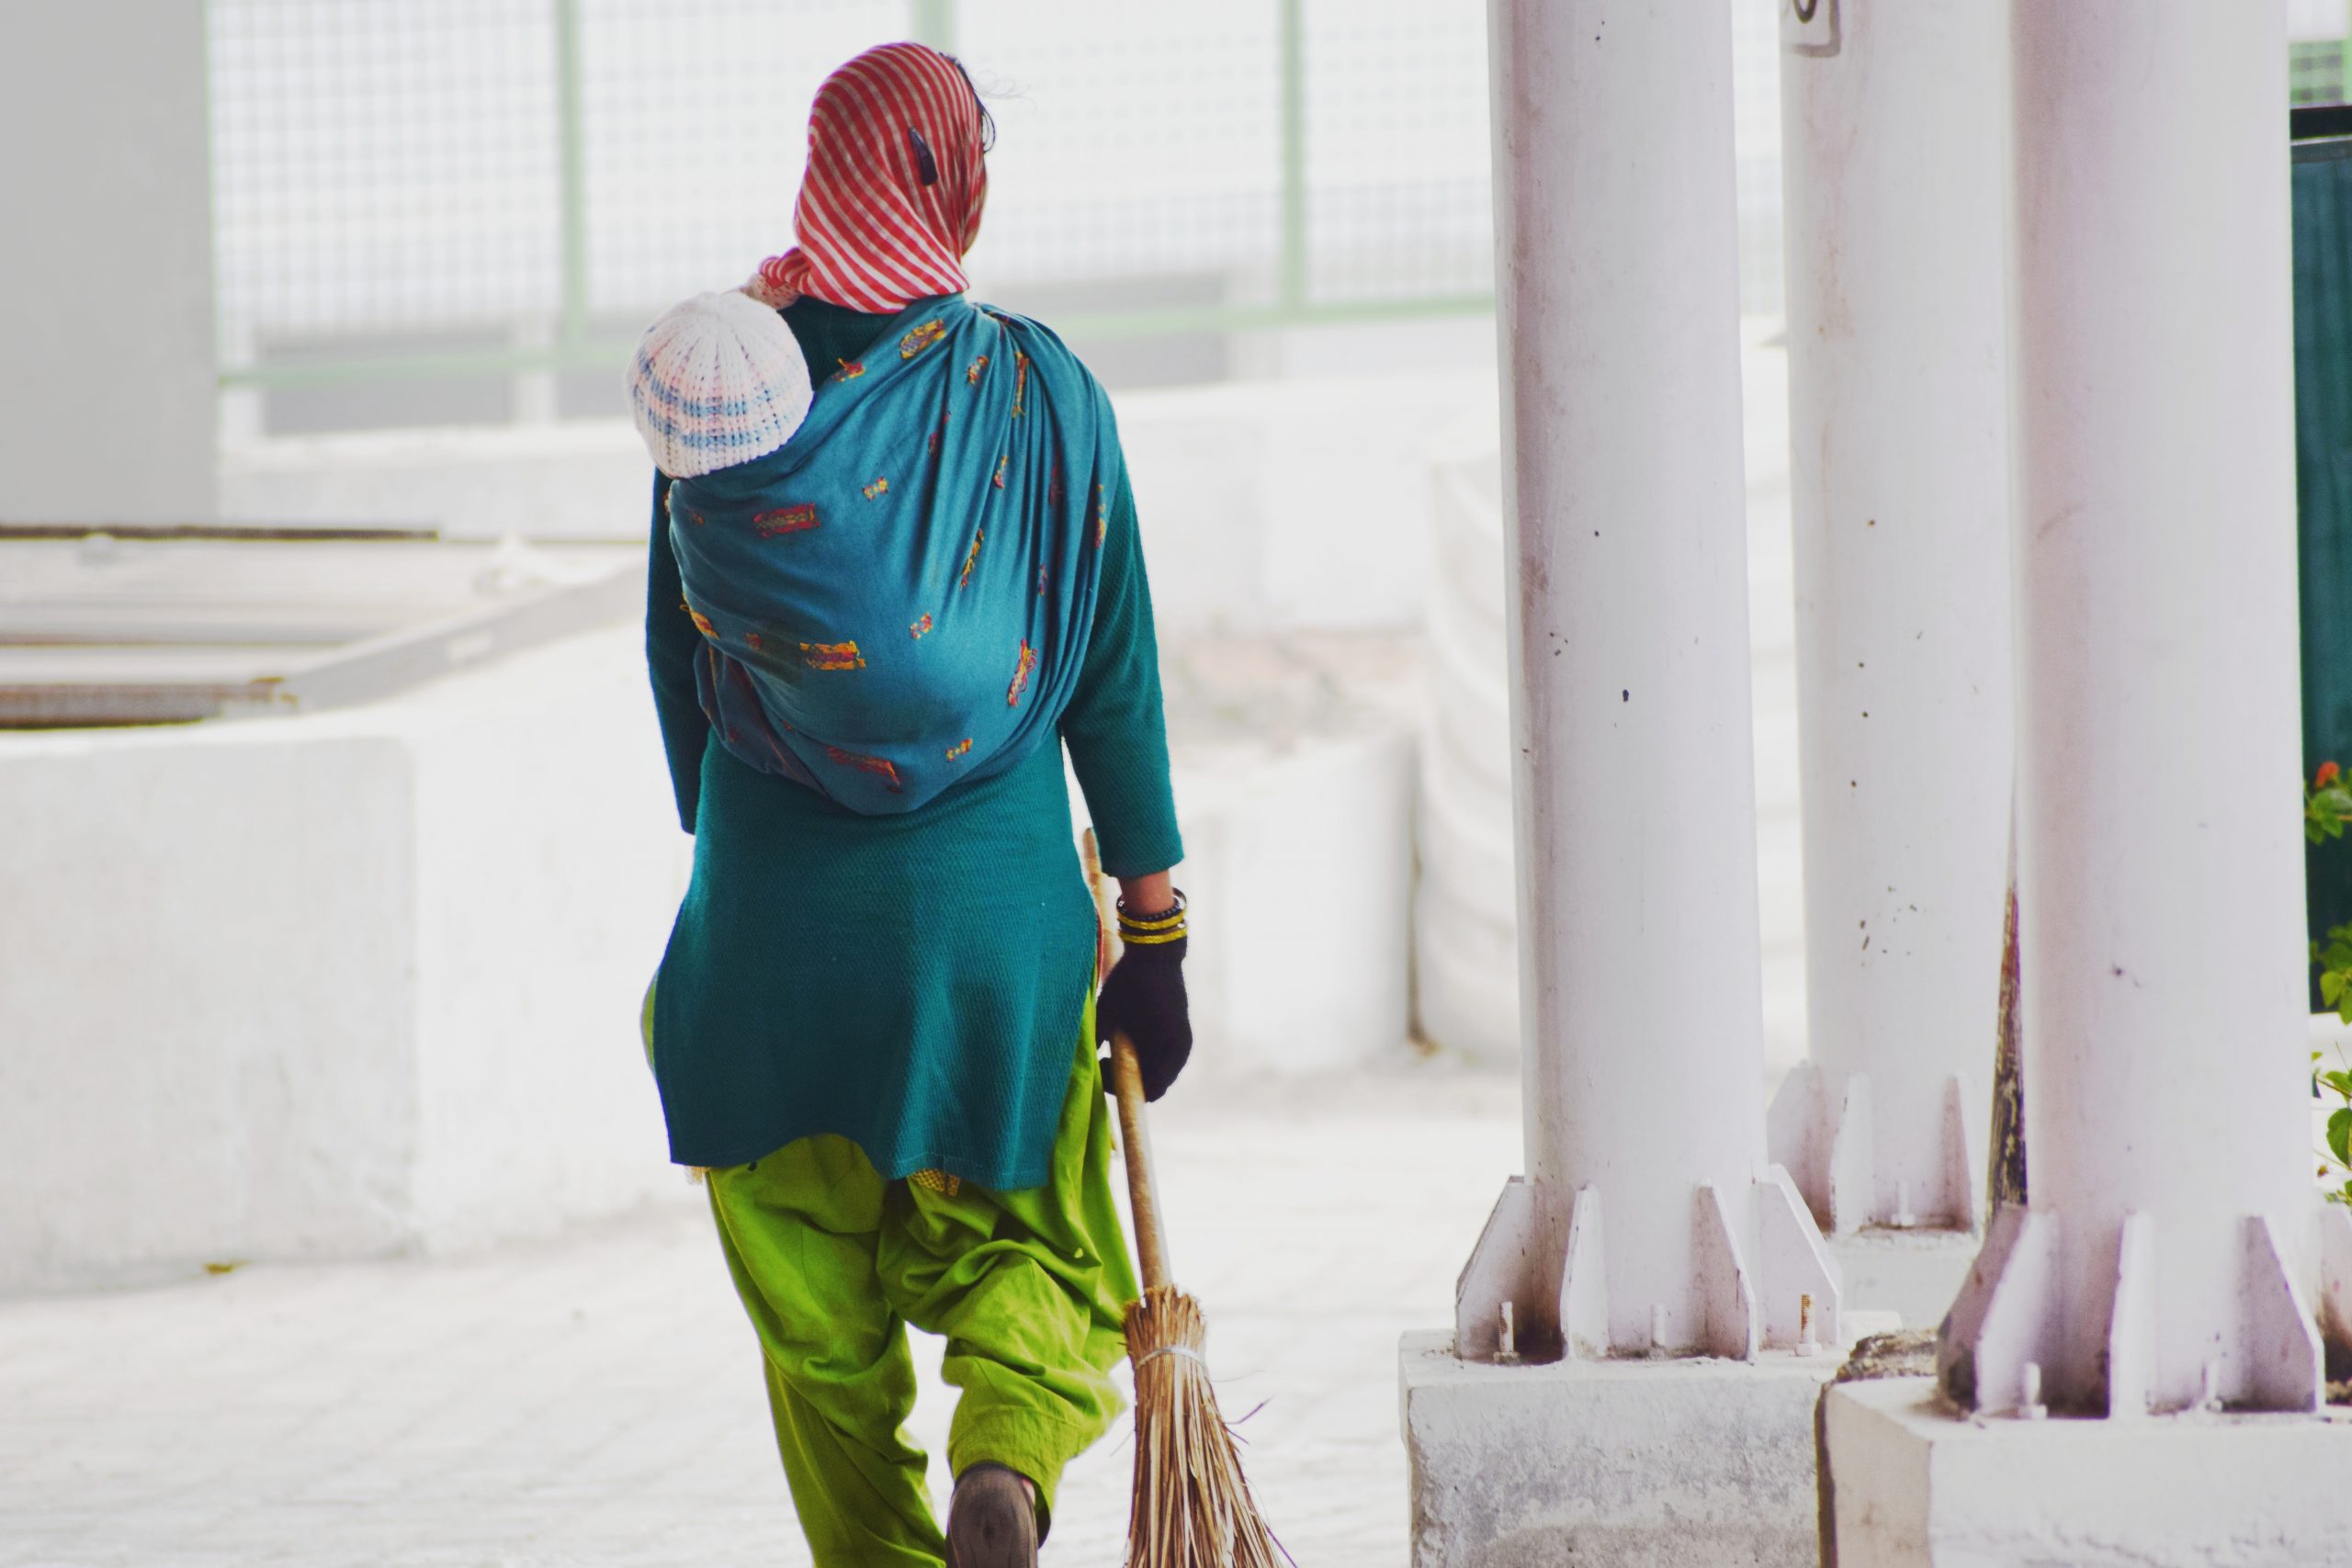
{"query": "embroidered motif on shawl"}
{"type": "Point", "coordinates": [899, 598]}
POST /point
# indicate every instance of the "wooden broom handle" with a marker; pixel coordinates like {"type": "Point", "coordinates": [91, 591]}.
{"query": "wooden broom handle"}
{"type": "Point", "coordinates": [1151, 1238]}
{"type": "Point", "coordinates": [1127, 1084]}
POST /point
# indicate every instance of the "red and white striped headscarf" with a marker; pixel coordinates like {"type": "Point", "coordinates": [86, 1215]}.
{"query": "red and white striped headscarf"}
{"type": "Point", "coordinates": [875, 233]}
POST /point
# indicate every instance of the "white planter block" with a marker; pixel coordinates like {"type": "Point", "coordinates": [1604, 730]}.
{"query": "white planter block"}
{"type": "Point", "coordinates": [1914, 1274]}
{"type": "Point", "coordinates": [334, 985]}
{"type": "Point", "coordinates": [1916, 1486]}
{"type": "Point", "coordinates": [1298, 849]}
{"type": "Point", "coordinates": [1688, 1464]}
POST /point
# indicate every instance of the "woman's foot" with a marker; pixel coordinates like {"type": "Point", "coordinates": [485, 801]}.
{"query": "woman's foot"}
{"type": "Point", "coordinates": [992, 1520]}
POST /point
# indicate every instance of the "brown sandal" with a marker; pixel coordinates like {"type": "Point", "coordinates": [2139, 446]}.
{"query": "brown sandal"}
{"type": "Point", "coordinates": [992, 1523]}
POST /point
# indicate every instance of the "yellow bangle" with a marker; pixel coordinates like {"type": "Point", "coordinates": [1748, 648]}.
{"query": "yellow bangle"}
{"type": "Point", "coordinates": [1150, 939]}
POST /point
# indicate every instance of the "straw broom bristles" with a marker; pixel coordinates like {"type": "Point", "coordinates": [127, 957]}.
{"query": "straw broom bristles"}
{"type": "Point", "coordinates": [1193, 1506]}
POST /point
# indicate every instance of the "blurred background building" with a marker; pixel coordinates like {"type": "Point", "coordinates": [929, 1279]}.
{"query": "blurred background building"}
{"type": "Point", "coordinates": [377, 266]}
{"type": "Point", "coordinates": [334, 304]}
{"type": "Point", "coordinates": [341, 846]}
{"type": "Point", "coordinates": [435, 213]}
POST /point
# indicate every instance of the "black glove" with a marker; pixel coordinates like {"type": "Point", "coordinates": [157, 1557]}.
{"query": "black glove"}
{"type": "Point", "coordinates": [1143, 999]}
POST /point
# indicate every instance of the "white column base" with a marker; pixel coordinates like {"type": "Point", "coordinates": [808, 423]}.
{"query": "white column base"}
{"type": "Point", "coordinates": [1914, 1485]}
{"type": "Point", "coordinates": [2002, 1348]}
{"type": "Point", "coordinates": [1536, 1286]}
{"type": "Point", "coordinates": [1820, 1127]}
{"type": "Point", "coordinates": [1664, 1463]}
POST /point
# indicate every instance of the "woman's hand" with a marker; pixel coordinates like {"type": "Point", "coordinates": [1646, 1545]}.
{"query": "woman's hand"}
{"type": "Point", "coordinates": [1143, 997]}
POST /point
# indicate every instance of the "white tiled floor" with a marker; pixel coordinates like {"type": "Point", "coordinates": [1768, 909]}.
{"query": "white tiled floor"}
{"type": "Point", "coordinates": [597, 1400]}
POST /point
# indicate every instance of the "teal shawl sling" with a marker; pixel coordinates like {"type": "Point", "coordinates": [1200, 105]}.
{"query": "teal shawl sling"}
{"type": "Point", "coordinates": [897, 599]}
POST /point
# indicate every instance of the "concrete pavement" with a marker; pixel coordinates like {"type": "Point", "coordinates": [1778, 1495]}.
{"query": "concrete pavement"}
{"type": "Point", "coordinates": [597, 1399]}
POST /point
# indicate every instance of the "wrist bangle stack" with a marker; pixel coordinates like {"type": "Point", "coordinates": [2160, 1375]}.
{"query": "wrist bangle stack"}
{"type": "Point", "coordinates": [1151, 931]}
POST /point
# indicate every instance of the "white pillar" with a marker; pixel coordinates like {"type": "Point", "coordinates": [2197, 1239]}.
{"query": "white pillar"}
{"type": "Point", "coordinates": [106, 412]}
{"type": "Point", "coordinates": [2164, 1260]}
{"type": "Point", "coordinates": [1635, 792]}
{"type": "Point", "coordinates": [1895, 174]}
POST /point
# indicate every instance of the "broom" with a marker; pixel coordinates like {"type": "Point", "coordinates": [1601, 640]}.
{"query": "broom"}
{"type": "Point", "coordinates": [1191, 1508]}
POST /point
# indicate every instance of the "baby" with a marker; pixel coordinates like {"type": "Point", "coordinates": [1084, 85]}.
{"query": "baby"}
{"type": "Point", "coordinates": [716, 381]}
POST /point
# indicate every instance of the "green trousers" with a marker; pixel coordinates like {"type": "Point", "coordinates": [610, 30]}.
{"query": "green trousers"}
{"type": "Point", "coordinates": [834, 1261]}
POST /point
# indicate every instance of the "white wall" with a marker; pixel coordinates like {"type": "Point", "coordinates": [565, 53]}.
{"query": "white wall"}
{"type": "Point", "coordinates": [1265, 504]}
{"type": "Point", "coordinates": [1298, 865]}
{"type": "Point", "coordinates": [367, 981]}
{"type": "Point", "coordinates": [337, 985]}
{"type": "Point", "coordinates": [549, 868]}
{"type": "Point", "coordinates": [204, 1052]}
{"type": "Point", "coordinates": [105, 277]}
{"type": "Point", "coordinates": [2317, 21]}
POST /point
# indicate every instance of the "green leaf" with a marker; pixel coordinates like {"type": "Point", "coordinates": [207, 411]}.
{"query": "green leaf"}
{"type": "Point", "coordinates": [2340, 1082]}
{"type": "Point", "coordinates": [2331, 986]}
{"type": "Point", "coordinates": [2339, 1135]}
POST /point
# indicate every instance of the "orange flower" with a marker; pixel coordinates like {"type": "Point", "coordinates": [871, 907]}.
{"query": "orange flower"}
{"type": "Point", "coordinates": [2328, 773]}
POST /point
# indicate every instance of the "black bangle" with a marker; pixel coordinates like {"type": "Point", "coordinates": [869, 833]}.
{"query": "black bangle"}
{"type": "Point", "coordinates": [1165, 917]}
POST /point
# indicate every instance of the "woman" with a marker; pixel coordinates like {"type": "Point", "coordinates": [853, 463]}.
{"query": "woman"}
{"type": "Point", "coordinates": [876, 1023]}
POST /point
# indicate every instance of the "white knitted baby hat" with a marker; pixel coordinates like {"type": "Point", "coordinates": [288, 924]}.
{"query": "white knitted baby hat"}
{"type": "Point", "coordinates": [716, 381]}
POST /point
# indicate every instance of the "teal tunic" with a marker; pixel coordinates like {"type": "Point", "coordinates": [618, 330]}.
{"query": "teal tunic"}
{"type": "Point", "coordinates": [910, 982]}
